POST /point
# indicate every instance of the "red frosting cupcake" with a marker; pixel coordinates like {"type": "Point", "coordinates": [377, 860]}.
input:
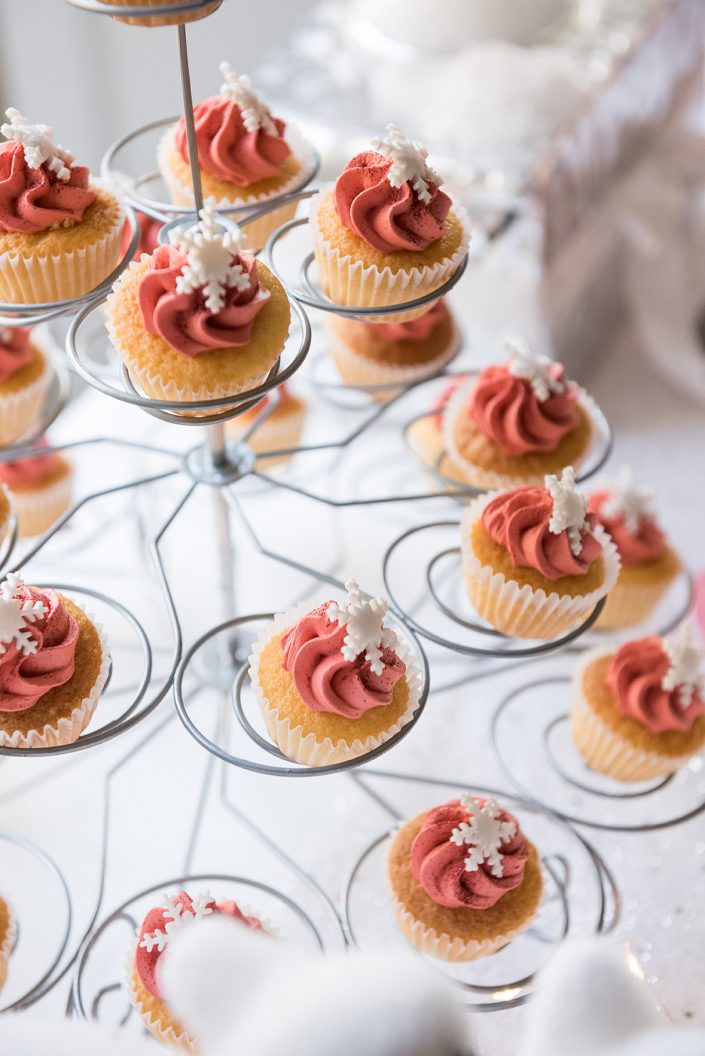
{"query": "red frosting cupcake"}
{"type": "Point", "coordinates": [281, 428]}
{"type": "Point", "coordinates": [25, 376]}
{"type": "Point", "coordinates": [40, 489]}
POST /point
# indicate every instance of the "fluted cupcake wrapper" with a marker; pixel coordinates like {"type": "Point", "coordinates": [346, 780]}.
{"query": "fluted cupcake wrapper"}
{"type": "Point", "coordinates": [348, 282]}
{"type": "Point", "coordinates": [629, 605]}
{"type": "Point", "coordinates": [7, 945]}
{"type": "Point", "coordinates": [20, 410]}
{"type": "Point", "coordinates": [481, 477]}
{"type": "Point", "coordinates": [165, 1033]}
{"type": "Point", "coordinates": [521, 611]}
{"type": "Point", "coordinates": [442, 946]}
{"type": "Point", "coordinates": [38, 508]}
{"type": "Point", "coordinates": [306, 748]}
{"type": "Point", "coordinates": [66, 730]}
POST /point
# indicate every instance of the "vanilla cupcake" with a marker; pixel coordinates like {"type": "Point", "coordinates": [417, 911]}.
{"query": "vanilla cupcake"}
{"type": "Point", "coordinates": [152, 946]}
{"type": "Point", "coordinates": [465, 881]}
{"type": "Point", "coordinates": [54, 663]}
{"type": "Point", "coordinates": [8, 932]}
{"type": "Point", "coordinates": [385, 234]}
{"type": "Point", "coordinates": [198, 319]}
{"type": "Point", "coordinates": [60, 235]}
{"type": "Point", "coordinates": [25, 376]}
{"type": "Point", "coordinates": [334, 683]}
{"type": "Point", "coordinates": [160, 20]}
{"type": "Point", "coordinates": [281, 428]}
{"type": "Point", "coordinates": [649, 564]}
{"type": "Point", "coordinates": [639, 710]}
{"type": "Point", "coordinates": [40, 488]}
{"type": "Point", "coordinates": [518, 421]}
{"type": "Point", "coordinates": [246, 157]}
{"type": "Point", "coordinates": [425, 435]}
{"type": "Point", "coordinates": [536, 563]}
{"type": "Point", "coordinates": [393, 354]}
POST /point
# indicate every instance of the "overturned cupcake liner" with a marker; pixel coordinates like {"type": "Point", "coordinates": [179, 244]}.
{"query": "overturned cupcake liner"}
{"type": "Point", "coordinates": [66, 730]}
{"type": "Point", "coordinates": [348, 282]}
{"type": "Point", "coordinates": [61, 277]}
{"type": "Point", "coordinates": [37, 509]}
{"type": "Point", "coordinates": [160, 20]}
{"type": "Point", "coordinates": [440, 945]}
{"type": "Point", "coordinates": [20, 410]}
{"type": "Point", "coordinates": [630, 604]}
{"type": "Point", "coordinates": [7, 945]}
{"type": "Point", "coordinates": [271, 435]}
{"type": "Point", "coordinates": [520, 611]}
{"type": "Point", "coordinates": [162, 1032]}
{"type": "Point", "coordinates": [481, 477]}
{"type": "Point", "coordinates": [305, 748]}
{"type": "Point", "coordinates": [257, 231]}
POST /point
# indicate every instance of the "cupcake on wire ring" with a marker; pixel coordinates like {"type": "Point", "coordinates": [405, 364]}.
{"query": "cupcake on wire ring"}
{"type": "Point", "coordinates": [159, 20]}
{"type": "Point", "coordinates": [280, 429]}
{"type": "Point", "coordinates": [25, 376]}
{"type": "Point", "coordinates": [40, 487]}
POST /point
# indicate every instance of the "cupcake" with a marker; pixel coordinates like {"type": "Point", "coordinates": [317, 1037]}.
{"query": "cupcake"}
{"type": "Point", "coordinates": [25, 376]}
{"type": "Point", "coordinates": [639, 710]}
{"type": "Point", "coordinates": [280, 429]}
{"type": "Point", "coordinates": [464, 879]}
{"type": "Point", "coordinates": [649, 565]}
{"type": "Point", "coordinates": [246, 157]}
{"type": "Point", "coordinates": [515, 423]}
{"type": "Point", "coordinates": [144, 963]}
{"type": "Point", "coordinates": [536, 562]}
{"type": "Point", "coordinates": [8, 931]}
{"type": "Point", "coordinates": [40, 489]}
{"type": "Point", "coordinates": [160, 20]}
{"type": "Point", "coordinates": [385, 234]}
{"type": "Point", "coordinates": [392, 354]}
{"type": "Point", "coordinates": [148, 238]}
{"type": "Point", "coordinates": [60, 234]}
{"type": "Point", "coordinates": [334, 683]}
{"type": "Point", "coordinates": [198, 319]}
{"type": "Point", "coordinates": [54, 663]}
{"type": "Point", "coordinates": [425, 435]}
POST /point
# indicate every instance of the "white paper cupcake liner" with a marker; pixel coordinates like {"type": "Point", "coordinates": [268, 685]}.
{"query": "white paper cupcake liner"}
{"type": "Point", "coordinates": [521, 611]}
{"type": "Point", "coordinates": [484, 478]}
{"type": "Point", "coordinates": [442, 946]}
{"type": "Point", "coordinates": [630, 604]}
{"type": "Point", "coordinates": [39, 508]}
{"type": "Point", "coordinates": [305, 748]}
{"type": "Point", "coordinates": [603, 749]}
{"type": "Point", "coordinates": [66, 730]}
{"type": "Point", "coordinates": [20, 410]}
{"type": "Point", "coordinates": [183, 1040]}
{"type": "Point", "coordinates": [348, 282]}
{"type": "Point", "coordinates": [7, 945]}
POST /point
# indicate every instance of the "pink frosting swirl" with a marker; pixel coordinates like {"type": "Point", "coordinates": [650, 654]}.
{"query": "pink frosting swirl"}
{"type": "Point", "coordinates": [387, 218]}
{"type": "Point", "coordinates": [647, 544]}
{"type": "Point", "coordinates": [15, 350]}
{"type": "Point", "coordinates": [418, 329]}
{"type": "Point", "coordinates": [635, 676]}
{"type": "Point", "coordinates": [149, 235]}
{"type": "Point", "coordinates": [509, 413]}
{"type": "Point", "coordinates": [438, 864]}
{"type": "Point", "coordinates": [29, 470]}
{"type": "Point", "coordinates": [146, 963]}
{"type": "Point", "coordinates": [33, 200]}
{"type": "Point", "coordinates": [182, 319]}
{"type": "Point", "coordinates": [227, 150]}
{"type": "Point", "coordinates": [324, 679]}
{"type": "Point", "coordinates": [25, 678]}
{"type": "Point", "coordinates": [518, 521]}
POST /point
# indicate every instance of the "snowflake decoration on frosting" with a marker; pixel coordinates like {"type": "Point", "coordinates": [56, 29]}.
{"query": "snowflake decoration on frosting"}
{"type": "Point", "coordinates": [569, 508]}
{"type": "Point", "coordinates": [408, 162]}
{"type": "Point", "coordinates": [684, 670]}
{"type": "Point", "coordinates": [38, 143]}
{"type": "Point", "coordinates": [628, 501]}
{"type": "Point", "coordinates": [180, 918]}
{"type": "Point", "coordinates": [484, 833]}
{"type": "Point", "coordinates": [238, 89]}
{"type": "Point", "coordinates": [534, 368]}
{"type": "Point", "coordinates": [209, 265]}
{"type": "Point", "coordinates": [15, 615]}
{"type": "Point", "coordinates": [366, 631]}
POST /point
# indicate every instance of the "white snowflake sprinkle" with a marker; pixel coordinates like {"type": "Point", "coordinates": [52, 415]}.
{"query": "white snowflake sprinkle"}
{"type": "Point", "coordinates": [408, 162]}
{"type": "Point", "coordinates": [209, 265]}
{"type": "Point", "coordinates": [174, 908]}
{"type": "Point", "coordinates": [366, 632]}
{"type": "Point", "coordinates": [38, 143]}
{"type": "Point", "coordinates": [569, 508]}
{"type": "Point", "coordinates": [238, 89]}
{"type": "Point", "coordinates": [685, 665]}
{"type": "Point", "coordinates": [536, 369]}
{"type": "Point", "coordinates": [15, 615]}
{"type": "Point", "coordinates": [484, 834]}
{"type": "Point", "coordinates": [628, 501]}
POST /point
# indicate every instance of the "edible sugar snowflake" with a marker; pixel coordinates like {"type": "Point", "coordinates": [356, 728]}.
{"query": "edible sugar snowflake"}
{"type": "Point", "coordinates": [484, 834]}
{"type": "Point", "coordinates": [627, 500]}
{"type": "Point", "coordinates": [684, 671]}
{"type": "Point", "coordinates": [238, 89]}
{"type": "Point", "coordinates": [38, 143]}
{"type": "Point", "coordinates": [161, 937]}
{"type": "Point", "coordinates": [534, 368]}
{"type": "Point", "coordinates": [408, 162]}
{"type": "Point", "coordinates": [569, 508]}
{"type": "Point", "coordinates": [366, 632]}
{"type": "Point", "coordinates": [209, 265]}
{"type": "Point", "coordinates": [15, 615]}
